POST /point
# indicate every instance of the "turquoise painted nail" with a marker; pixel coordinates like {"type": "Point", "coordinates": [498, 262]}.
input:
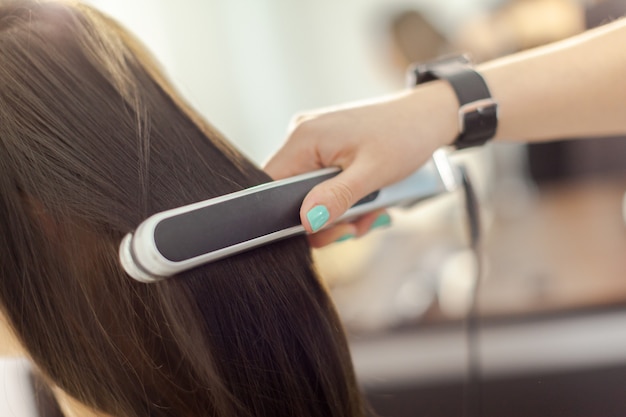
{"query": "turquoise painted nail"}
{"type": "Point", "coordinates": [317, 217]}
{"type": "Point", "coordinates": [382, 221]}
{"type": "Point", "coordinates": [345, 237]}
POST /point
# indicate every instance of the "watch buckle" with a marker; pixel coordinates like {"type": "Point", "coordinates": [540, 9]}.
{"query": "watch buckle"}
{"type": "Point", "coordinates": [475, 106]}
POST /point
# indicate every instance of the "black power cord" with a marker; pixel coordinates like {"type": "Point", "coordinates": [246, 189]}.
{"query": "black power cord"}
{"type": "Point", "coordinates": [472, 401]}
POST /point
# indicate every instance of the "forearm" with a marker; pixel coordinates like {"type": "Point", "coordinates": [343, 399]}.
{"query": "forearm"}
{"type": "Point", "coordinates": [569, 89]}
{"type": "Point", "coordinates": [574, 88]}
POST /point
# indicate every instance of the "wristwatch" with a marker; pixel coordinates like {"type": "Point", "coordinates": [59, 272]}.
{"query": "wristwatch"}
{"type": "Point", "coordinates": [478, 111]}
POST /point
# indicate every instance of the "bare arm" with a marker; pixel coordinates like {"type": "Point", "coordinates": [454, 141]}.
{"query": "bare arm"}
{"type": "Point", "coordinates": [572, 88]}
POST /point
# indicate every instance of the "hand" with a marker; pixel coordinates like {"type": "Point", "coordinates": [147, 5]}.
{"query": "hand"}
{"type": "Point", "coordinates": [375, 144]}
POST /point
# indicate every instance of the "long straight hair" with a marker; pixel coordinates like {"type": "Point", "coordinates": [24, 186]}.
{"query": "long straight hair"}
{"type": "Point", "coordinates": [92, 141]}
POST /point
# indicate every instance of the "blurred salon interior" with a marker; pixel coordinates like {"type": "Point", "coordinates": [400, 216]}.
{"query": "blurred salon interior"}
{"type": "Point", "coordinates": [528, 321]}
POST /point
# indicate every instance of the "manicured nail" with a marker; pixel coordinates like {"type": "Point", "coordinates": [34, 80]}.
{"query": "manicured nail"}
{"type": "Point", "coordinates": [382, 221]}
{"type": "Point", "coordinates": [345, 237]}
{"type": "Point", "coordinates": [317, 217]}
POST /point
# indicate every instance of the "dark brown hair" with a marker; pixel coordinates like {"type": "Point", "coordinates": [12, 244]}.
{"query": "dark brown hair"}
{"type": "Point", "coordinates": [92, 141]}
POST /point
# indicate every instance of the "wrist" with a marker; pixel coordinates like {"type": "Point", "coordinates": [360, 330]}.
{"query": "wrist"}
{"type": "Point", "coordinates": [435, 113]}
{"type": "Point", "coordinates": [477, 117]}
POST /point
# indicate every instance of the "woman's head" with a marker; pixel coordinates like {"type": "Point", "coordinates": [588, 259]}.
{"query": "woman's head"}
{"type": "Point", "coordinates": [92, 141]}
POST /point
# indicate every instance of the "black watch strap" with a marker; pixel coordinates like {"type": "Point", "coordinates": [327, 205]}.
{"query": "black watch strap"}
{"type": "Point", "coordinates": [478, 112]}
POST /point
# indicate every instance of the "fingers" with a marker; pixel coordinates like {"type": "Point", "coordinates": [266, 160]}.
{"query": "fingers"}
{"type": "Point", "coordinates": [338, 233]}
{"type": "Point", "coordinates": [330, 139]}
{"type": "Point", "coordinates": [347, 231]}
{"type": "Point", "coordinates": [327, 201]}
{"type": "Point", "coordinates": [374, 220]}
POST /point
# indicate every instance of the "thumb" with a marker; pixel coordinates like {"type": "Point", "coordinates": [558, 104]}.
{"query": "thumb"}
{"type": "Point", "coordinates": [329, 200]}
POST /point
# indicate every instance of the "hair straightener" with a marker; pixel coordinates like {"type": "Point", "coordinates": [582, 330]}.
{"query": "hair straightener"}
{"type": "Point", "coordinates": [179, 239]}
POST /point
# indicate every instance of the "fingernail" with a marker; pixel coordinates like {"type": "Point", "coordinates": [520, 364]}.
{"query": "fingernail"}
{"type": "Point", "coordinates": [381, 221]}
{"type": "Point", "coordinates": [317, 217]}
{"type": "Point", "coordinates": [345, 237]}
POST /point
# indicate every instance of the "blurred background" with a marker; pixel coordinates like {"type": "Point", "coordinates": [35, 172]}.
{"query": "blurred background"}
{"type": "Point", "coordinates": [546, 333]}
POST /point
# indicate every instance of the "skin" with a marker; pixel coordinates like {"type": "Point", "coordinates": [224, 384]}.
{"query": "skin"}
{"type": "Point", "coordinates": [9, 345]}
{"type": "Point", "coordinates": [573, 88]}
{"type": "Point", "coordinates": [72, 408]}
